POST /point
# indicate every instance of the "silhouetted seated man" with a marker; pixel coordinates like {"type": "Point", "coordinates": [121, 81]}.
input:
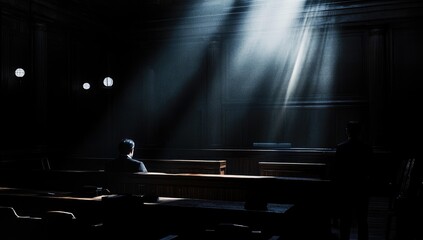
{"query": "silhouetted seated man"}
{"type": "Point", "coordinates": [125, 163]}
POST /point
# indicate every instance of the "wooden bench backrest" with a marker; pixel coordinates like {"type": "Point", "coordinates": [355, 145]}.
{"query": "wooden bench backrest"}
{"type": "Point", "coordinates": [211, 166]}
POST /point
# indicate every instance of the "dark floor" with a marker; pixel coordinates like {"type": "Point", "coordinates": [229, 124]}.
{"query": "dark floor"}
{"type": "Point", "coordinates": [378, 220]}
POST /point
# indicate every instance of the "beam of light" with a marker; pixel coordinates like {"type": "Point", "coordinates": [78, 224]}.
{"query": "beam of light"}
{"type": "Point", "coordinates": [306, 48]}
{"type": "Point", "coordinates": [284, 44]}
{"type": "Point", "coordinates": [269, 62]}
{"type": "Point", "coordinates": [267, 44]}
{"type": "Point", "coordinates": [306, 80]}
{"type": "Point", "coordinates": [175, 69]}
{"type": "Point", "coordinates": [274, 17]}
{"type": "Point", "coordinates": [181, 66]}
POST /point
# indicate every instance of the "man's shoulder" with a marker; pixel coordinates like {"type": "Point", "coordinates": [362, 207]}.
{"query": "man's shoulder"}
{"type": "Point", "coordinates": [135, 160]}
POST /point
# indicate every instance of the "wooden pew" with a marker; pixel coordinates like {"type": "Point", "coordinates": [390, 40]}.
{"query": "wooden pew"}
{"type": "Point", "coordinates": [225, 187]}
{"type": "Point", "coordinates": [201, 186]}
{"type": "Point", "coordinates": [294, 169]}
{"type": "Point", "coordinates": [208, 166]}
{"type": "Point", "coordinates": [310, 197]}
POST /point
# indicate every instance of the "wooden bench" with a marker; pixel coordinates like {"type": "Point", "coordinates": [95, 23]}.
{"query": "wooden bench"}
{"type": "Point", "coordinates": [201, 186]}
{"type": "Point", "coordinates": [310, 198]}
{"type": "Point", "coordinates": [294, 169]}
{"type": "Point", "coordinates": [209, 166]}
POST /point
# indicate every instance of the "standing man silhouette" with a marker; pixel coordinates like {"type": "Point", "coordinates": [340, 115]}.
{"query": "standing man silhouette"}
{"type": "Point", "coordinates": [351, 177]}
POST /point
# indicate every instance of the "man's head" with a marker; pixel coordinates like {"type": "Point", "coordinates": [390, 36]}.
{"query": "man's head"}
{"type": "Point", "coordinates": [126, 147]}
{"type": "Point", "coordinates": [353, 129]}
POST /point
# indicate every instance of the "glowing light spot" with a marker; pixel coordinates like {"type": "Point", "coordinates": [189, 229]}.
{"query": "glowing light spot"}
{"type": "Point", "coordinates": [108, 82]}
{"type": "Point", "coordinates": [19, 72]}
{"type": "Point", "coordinates": [86, 86]}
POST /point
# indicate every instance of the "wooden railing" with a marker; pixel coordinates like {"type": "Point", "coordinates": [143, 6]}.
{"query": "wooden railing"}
{"type": "Point", "coordinates": [294, 169]}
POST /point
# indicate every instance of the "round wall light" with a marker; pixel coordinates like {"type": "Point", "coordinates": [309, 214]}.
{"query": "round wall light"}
{"type": "Point", "coordinates": [19, 72]}
{"type": "Point", "coordinates": [86, 86]}
{"type": "Point", "coordinates": [108, 82]}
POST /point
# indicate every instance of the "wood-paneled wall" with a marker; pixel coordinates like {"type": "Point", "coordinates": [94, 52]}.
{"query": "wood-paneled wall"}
{"type": "Point", "coordinates": [180, 90]}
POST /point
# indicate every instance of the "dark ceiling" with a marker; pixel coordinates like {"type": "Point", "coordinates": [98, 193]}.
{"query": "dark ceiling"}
{"type": "Point", "coordinates": [124, 15]}
{"type": "Point", "coordinates": [121, 14]}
